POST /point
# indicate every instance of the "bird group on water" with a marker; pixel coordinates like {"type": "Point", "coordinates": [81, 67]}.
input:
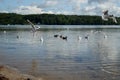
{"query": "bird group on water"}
{"type": "Point", "coordinates": [60, 36]}
{"type": "Point", "coordinates": [85, 37]}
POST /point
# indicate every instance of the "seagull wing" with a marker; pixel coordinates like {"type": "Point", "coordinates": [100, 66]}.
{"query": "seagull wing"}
{"type": "Point", "coordinates": [105, 17]}
{"type": "Point", "coordinates": [114, 19]}
{"type": "Point", "coordinates": [33, 26]}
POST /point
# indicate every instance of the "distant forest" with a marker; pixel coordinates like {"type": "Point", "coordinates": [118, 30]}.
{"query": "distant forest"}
{"type": "Point", "coordinates": [54, 19]}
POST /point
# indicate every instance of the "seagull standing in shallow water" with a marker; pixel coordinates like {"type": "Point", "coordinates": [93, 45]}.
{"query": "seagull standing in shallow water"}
{"type": "Point", "coordinates": [79, 38]}
{"type": "Point", "coordinates": [4, 32]}
{"type": "Point", "coordinates": [41, 39]}
{"type": "Point", "coordinates": [34, 28]}
{"type": "Point", "coordinates": [106, 16]}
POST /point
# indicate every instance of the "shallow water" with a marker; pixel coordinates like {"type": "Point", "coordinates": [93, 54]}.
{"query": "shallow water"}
{"type": "Point", "coordinates": [95, 58]}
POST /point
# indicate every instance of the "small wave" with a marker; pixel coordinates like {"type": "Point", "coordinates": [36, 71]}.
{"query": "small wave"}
{"type": "Point", "coordinates": [109, 72]}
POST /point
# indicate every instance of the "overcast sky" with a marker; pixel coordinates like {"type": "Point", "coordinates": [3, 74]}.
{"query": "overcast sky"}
{"type": "Point", "coordinates": [69, 7]}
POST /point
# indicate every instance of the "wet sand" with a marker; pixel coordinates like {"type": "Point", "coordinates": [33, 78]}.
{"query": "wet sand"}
{"type": "Point", "coordinates": [8, 73]}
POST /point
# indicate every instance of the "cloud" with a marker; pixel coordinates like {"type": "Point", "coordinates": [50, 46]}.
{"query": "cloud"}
{"type": "Point", "coordinates": [27, 10]}
{"type": "Point", "coordinates": [51, 3]}
{"type": "Point", "coordinates": [65, 12]}
{"type": "Point", "coordinates": [97, 1]}
{"type": "Point", "coordinates": [3, 11]}
{"type": "Point", "coordinates": [36, 10]}
{"type": "Point", "coordinates": [30, 10]}
{"type": "Point", "coordinates": [69, 7]}
{"type": "Point", "coordinates": [95, 7]}
{"type": "Point", "coordinates": [79, 1]}
{"type": "Point", "coordinates": [77, 4]}
{"type": "Point", "coordinates": [48, 4]}
{"type": "Point", "coordinates": [90, 8]}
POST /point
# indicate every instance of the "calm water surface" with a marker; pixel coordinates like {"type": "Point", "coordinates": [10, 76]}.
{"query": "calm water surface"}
{"type": "Point", "coordinates": [95, 58]}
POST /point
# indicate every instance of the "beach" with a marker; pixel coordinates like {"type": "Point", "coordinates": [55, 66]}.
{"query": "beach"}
{"type": "Point", "coordinates": [8, 73]}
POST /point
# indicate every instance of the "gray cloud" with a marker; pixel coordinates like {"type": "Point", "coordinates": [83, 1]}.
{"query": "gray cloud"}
{"type": "Point", "coordinates": [97, 1]}
{"type": "Point", "coordinates": [48, 3]}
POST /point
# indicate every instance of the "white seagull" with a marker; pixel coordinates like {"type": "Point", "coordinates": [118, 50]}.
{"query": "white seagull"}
{"type": "Point", "coordinates": [106, 16]}
{"type": "Point", "coordinates": [41, 39]}
{"type": "Point", "coordinates": [79, 38]}
{"type": "Point", "coordinates": [34, 28]}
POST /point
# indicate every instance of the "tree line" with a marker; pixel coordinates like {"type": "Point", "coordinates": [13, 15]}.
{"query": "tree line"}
{"type": "Point", "coordinates": [54, 19]}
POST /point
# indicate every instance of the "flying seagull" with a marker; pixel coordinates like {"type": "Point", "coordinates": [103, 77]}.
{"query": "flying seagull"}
{"type": "Point", "coordinates": [106, 16]}
{"type": "Point", "coordinates": [34, 28]}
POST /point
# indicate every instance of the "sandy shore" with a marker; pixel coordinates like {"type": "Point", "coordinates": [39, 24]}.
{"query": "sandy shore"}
{"type": "Point", "coordinates": [8, 73]}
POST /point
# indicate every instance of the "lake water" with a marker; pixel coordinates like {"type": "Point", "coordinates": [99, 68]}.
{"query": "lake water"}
{"type": "Point", "coordinates": [95, 58]}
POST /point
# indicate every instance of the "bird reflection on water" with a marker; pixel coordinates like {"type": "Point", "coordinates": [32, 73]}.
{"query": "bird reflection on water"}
{"type": "Point", "coordinates": [34, 67]}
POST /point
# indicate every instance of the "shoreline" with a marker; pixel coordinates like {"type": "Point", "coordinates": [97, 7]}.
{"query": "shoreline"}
{"type": "Point", "coordinates": [9, 73]}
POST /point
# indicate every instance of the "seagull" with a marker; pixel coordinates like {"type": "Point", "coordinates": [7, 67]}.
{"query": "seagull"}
{"type": "Point", "coordinates": [56, 35]}
{"type": "Point", "coordinates": [4, 32]}
{"type": "Point", "coordinates": [87, 36]}
{"type": "Point", "coordinates": [17, 37]}
{"type": "Point", "coordinates": [105, 36]}
{"type": "Point", "coordinates": [64, 37]}
{"type": "Point", "coordinates": [79, 38]}
{"type": "Point", "coordinates": [106, 16]}
{"type": "Point", "coordinates": [34, 28]}
{"type": "Point", "coordinates": [41, 39]}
